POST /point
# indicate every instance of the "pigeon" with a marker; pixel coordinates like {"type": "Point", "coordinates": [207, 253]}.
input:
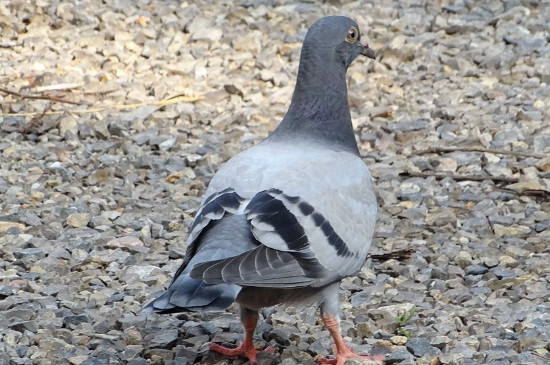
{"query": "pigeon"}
{"type": "Point", "coordinates": [286, 220]}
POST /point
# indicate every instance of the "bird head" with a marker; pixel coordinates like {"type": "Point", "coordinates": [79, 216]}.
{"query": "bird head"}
{"type": "Point", "coordinates": [336, 40]}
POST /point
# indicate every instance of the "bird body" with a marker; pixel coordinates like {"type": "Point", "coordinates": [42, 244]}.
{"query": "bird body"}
{"type": "Point", "coordinates": [286, 220]}
{"type": "Point", "coordinates": [291, 175]}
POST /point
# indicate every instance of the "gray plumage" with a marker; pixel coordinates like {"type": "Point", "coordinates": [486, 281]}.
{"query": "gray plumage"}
{"type": "Point", "coordinates": [287, 219]}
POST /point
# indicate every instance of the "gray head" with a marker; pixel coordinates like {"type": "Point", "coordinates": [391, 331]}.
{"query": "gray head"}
{"type": "Point", "coordinates": [319, 110]}
{"type": "Point", "coordinates": [334, 42]}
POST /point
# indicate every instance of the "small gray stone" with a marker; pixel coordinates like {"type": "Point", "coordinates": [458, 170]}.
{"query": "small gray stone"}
{"type": "Point", "coordinates": [137, 362]}
{"type": "Point", "coordinates": [160, 355]}
{"type": "Point", "coordinates": [226, 337]}
{"type": "Point", "coordinates": [280, 336]}
{"type": "Point", "coordinates": [399, 355]}
{"type": "Point", "coordinates": [78, 220]}
{"type": "Point", "coordinates": [38, 252]}
{"type": "Point", "coordinates": [501, 219]}
{"type": "Point", "coordinates": [420, 346]}
{"type": "Point", "coordinates": [463, 259]}
{"type": "Point", "coordinates": [99, 360]}
{"type": "Point", "coordinates": [5, 291]}
{"type": "Point", "coordinates": [541, 143]}
{"type": "Point", "coordinates": [476, 270]}
{"type": "Point", "coordinates": [30, 218]}
{"type": "Point", "coordinates": [289, 361]}
{"type": "Point", "coordinates": [439, 273]}
{"type": "Point", "coordinates": [210, 328]}
{"type": "Point", "coordinates": [19, 313]}
{"type": "Point", "coordinates": [320, 346]}
{"type": "Point", "coordinates": [504, 273]}
{"type": "Point", "coordinates": [73, 320]}
{"type": "Point", "coordinates": [179, 361]}
{"type": "Point", "coordinates": [165, 339]}
{"type": "Point", "coordinates": [22, 326]}
{"type": "Point", "coordinates": [185, 353]}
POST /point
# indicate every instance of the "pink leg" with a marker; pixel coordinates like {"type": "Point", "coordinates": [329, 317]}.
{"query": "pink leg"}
{"type": "Point", "coordinates": [343, 352]}
{"type": "Point", "coordinates": [246, 348]}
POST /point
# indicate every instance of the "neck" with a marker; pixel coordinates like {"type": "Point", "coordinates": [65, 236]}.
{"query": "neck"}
{"type": "Point", "coordinates": [319, 109]}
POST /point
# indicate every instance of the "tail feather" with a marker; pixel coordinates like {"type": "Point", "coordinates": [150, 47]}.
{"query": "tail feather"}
{"type": "Point", "coordinates": [225, 238]}
{"type": "Point", "coordinates": [195, 294]}
{"type": "Point", "coordinates": [191, 294]}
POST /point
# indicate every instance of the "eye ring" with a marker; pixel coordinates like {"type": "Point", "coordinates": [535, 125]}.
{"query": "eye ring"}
{"type": "Point", "coordinates": [353, 34]}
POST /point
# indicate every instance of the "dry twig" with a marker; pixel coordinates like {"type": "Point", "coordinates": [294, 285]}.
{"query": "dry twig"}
{"type": "Point", "coordinates": [478, 149]}
{"type": "Point", "coordinates": [100, 92]}
{"type": "Point", "coordinates": [386, 113]}
{"type": "Point", "coordinates": [527, 192]}
{"type": "Point", "coordinates": [38, 97]}
{"type": "Point", "coordinates": [170, 101]}
{"type": "Point", "coordinates": [401, 254]}
{"type": "Point", "coordinates": [542, 357]}
{"type": "Point", "coordinates": [35, 120]}
{"type": "Point", "coordinates": [440, 176]}
{"type": "Point", "coordinates": [57, 87]}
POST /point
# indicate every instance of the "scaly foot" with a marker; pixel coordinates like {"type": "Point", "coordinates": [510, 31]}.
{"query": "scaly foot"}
{"type": "Point", "coordinates": [346, 354]}
{"type": "Point", "coordinates": [245, 349]}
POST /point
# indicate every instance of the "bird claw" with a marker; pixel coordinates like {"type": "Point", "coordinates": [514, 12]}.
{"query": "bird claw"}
{"type": "Point", "coordinates": [205, 346]}
{"type": "Point", "coordinates": [243, 349]}
{"type": "Point", "coordinates": [326, 360]}
{"type": "Point", "coordinates": [341, 358]}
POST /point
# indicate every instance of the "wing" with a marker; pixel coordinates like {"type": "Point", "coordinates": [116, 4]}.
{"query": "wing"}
{"type": "Point", "coordinates": [214, 207]}
{"type": "Point", "coordinates": [312, 215]}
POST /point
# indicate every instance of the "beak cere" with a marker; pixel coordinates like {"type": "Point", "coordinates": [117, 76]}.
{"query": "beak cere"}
{"type": "Point", "coordinates": [367, 51]}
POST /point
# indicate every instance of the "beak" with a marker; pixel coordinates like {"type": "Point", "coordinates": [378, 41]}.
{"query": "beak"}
{"type": "Point", "coordinates": [368, 51]}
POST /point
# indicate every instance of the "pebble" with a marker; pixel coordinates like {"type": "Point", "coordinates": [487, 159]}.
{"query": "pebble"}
{"type": "Point", "coordinates": [476, 270]}
{"type": "Point", "coordinates": [447, 165]}
{"type": "Point", "coordinates": [165, 339]}
{"type": "Point", "coordinates": [463, 259]}
{"type": "Point", "coordinates": [78, 220]}
{"type": "Point", "coordinates": [399, 340]}
{"type": "Point", "coordinates": [125, 242]}
{"type": "Point", "coordinates": [421, 346]}
{"type": "Point", "coordinates": [400, 356]}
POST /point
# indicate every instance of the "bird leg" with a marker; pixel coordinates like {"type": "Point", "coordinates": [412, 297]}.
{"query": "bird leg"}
{"type": "Point", "coordinates": [331, 318]}
{"type": "Point", "coordinates": [343, 352]}
{"type": "Point", "coordinates": [249, 319]}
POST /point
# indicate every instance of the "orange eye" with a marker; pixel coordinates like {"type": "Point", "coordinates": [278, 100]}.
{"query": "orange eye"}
{"type": "Point", "coordinates": [353, 34]}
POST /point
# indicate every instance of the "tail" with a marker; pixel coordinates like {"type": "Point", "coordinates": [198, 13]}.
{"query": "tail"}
{"type": "Point", "coordinates": [188, 294]}
{"type": "Point", "coordinates": [227, 237]}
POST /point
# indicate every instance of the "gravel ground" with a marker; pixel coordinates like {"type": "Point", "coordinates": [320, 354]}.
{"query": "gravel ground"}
{"type": "Point", "coordinates": [96, 197]}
